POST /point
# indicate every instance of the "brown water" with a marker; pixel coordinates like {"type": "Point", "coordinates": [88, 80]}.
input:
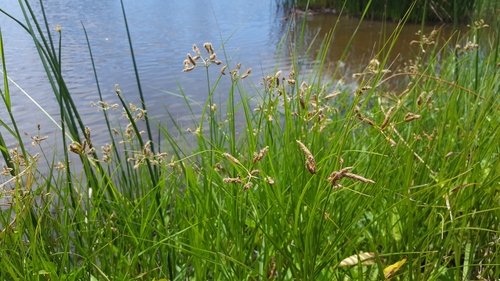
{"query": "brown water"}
{"type": "Point", "coordinates": [162, 33]}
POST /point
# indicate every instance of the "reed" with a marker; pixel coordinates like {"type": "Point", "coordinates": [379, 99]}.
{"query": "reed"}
{"type": "Point", "coordinates": [319, 183]}
{"type": "Point", "coordinates": [395, 10]}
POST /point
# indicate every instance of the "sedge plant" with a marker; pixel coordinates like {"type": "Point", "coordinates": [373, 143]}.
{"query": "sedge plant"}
{"type": "Point", "coordinates": [294, 177]}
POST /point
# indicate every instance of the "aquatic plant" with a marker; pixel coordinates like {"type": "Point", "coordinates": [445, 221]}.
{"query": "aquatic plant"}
{"type": "Point", "coordinates": [394, 10]}
{"type": "Point", "coordinates": [307, 180]}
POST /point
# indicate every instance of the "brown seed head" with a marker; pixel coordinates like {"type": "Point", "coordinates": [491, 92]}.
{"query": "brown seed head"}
{"type": "Point", "coordinates": [75, 148]}
{"type": "Point", "coordinates": [254, 172]}
{"type": "Point", "coordinates": [208, 47]}
{"type": "Point", "coordinates": [247, 186]}
{"type": "Point", "coordinates": [410, 116]}
{"type": "Point", "coordinates": [336, 176]}
{"type": "Point", "coordinates": [310, 162]}
{"type": "Point", "coordinates": [358, 178]}
{"type": "Point", "coordinates": [332, 95]}
{"type": "Point", "coordinates": [231, 158]}
{"type": "Point", "coordinates": [187, 69]}
{"type": "Point", "coordinates": [196, 50]}
{"type": "Point", "coordinates": [191, 60]}
{"type": "Point", "coordinates": [269, 180]}
{"type": "Point", "coordinates": [260, 155]}
{"type": "Point", "coordinates": [368, 121]}
{"type": "Point", "coordinates": [387, 118]}
{"type": "Point", "coordinates": [232, 180]}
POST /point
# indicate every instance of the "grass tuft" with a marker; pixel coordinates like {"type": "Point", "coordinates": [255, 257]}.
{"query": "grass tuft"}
{"type": "Point", "coordinates": [294, 178]}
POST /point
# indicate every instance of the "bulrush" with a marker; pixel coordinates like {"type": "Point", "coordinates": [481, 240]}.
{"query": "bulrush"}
{"type": "Point", "coordinates": [310, 162]}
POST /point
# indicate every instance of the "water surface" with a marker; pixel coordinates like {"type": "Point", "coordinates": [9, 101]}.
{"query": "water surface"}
{"type": "Point", "coordinates": [163, 32]}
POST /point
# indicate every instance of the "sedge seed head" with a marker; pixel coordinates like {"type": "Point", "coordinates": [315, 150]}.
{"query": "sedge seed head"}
{"type": "Point", "coordinates": [231, 158]}
{"type": "Point", "coordinates": [310, 162]}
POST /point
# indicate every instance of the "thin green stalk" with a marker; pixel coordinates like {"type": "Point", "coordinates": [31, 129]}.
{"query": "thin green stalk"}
{"type": "Point", "coordinates": [138, 80]}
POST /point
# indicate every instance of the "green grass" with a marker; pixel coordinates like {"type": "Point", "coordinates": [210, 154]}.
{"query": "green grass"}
{"type": "Point", "coordinates": [437, 11]}
{"type": "Point", "coordinates": [251, 193]}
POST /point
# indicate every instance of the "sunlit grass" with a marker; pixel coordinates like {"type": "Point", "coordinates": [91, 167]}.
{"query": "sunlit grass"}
{"type": "Point", "coordinates": [294, 178]}
{"type": "Point", "coordinates": [394, 10]}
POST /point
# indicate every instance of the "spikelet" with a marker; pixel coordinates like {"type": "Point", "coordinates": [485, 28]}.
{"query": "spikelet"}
{"type": "Point", "coordinates": [335, 176]}
{"type": "Point", "coordinates": [247, 186]}
{"type": "Point", "coordinates": [260, 155]}
{"type": "Point", "coordinates": [196, 50]}
{"type": "Point", "coordinates": [187, 69]}
{"type": "Point", "coordinates": [231, 158]}
{"type": "Point", "coordinates": [269, 180]}
{"type": "Point", "coordinates": [254, 172]}
{"type": "Point", "coordinates": [191, 60]}
{"type": "Point", "coordinates": [332, 95]}
{"type": "Point", "coordinates": [387, 118]}
{"type": "Point", "coordinates": [358, 178]}
{"type": "Point", "coordinates": [208, 47]}
{"type": "Point", "coordinates": [310, 162]}
{"type": "Point", "coordinates": [410, 116]}
{"type": "Point", "coordinates": [344, 173]}
{"type": "Point", "coordinates": [232, 180]}
{"type": "Point", "coordinates": [246, 73]}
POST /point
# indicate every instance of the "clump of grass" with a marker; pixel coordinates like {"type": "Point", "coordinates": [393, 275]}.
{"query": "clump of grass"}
{"type": "Point", "coordinates": [442, 11]}
{"type": "Point", "coordinates": [319, 183]}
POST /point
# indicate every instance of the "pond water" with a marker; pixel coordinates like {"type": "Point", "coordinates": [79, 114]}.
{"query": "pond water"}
{"type": "Point", "coordinates": [163, 32]}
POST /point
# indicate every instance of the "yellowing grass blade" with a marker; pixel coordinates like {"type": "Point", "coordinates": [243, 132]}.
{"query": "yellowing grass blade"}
{"type": "Point", "coordinates": [393, 268]}
{"type": "Point", "coordinates": [363, 258]}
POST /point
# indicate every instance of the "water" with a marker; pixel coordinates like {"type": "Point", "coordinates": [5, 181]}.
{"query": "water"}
{"type": "Point", "coordinates": [163, 32]}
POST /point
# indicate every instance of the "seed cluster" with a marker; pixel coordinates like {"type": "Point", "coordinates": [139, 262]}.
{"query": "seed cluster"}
{"type": "Point", "coordinates": [252, 173]}
{"type": "Point", "coordinates": [191, 62]}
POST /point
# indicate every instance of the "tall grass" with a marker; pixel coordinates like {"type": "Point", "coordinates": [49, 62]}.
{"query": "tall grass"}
{"type": "Point", "coordinates": [318, 183]}
{"type": "Point", "coordinates": [395, 9]}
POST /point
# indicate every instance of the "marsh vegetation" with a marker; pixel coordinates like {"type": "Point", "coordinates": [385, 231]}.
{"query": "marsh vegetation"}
{"type": "Point", "coordinates": [292, 177]}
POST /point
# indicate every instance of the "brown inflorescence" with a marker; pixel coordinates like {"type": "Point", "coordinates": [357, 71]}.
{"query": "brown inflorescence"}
{"type": "Point", "coordinates": [231, 158]}
{"type": "Point", "coordinates": [344, 173]}
{"type": "Point", "coordinates": [310, 162]}
{"type": "Point", "coordinates": [258, 156]}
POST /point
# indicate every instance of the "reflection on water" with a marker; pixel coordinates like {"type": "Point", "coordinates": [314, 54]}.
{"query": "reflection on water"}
{"type": "Point", "coordinates": [371, 39]}
{"type": "Point", "coordinates": [162, 33]}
